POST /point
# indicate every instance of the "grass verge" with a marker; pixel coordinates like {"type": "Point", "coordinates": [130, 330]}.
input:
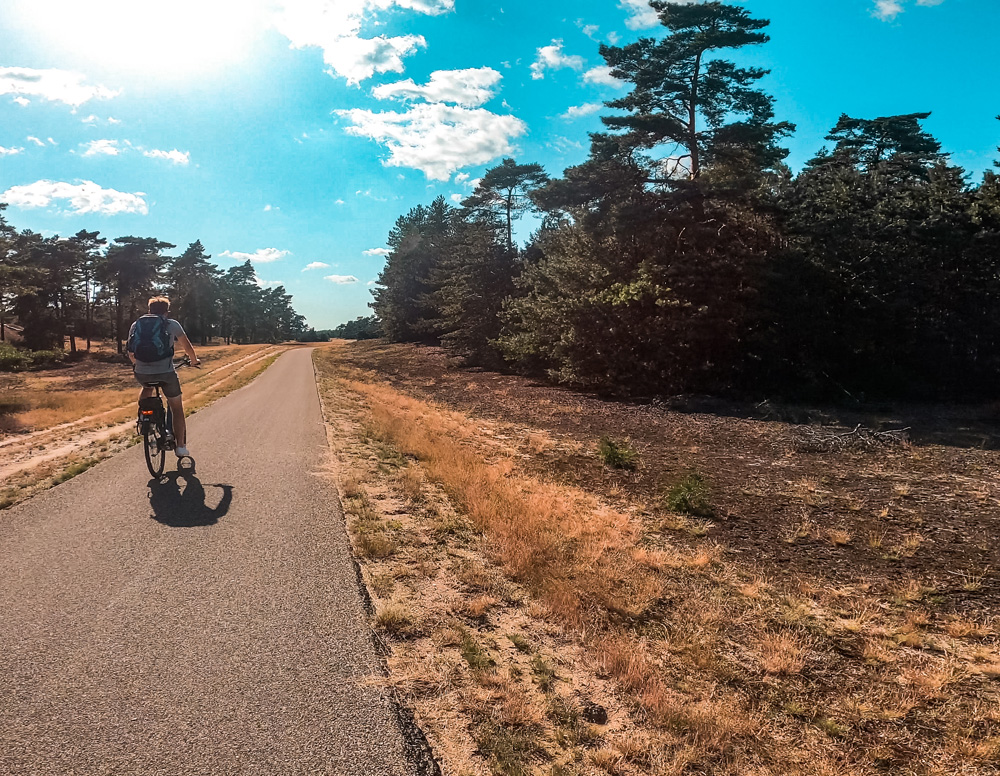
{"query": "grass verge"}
{"type": "Point", "coordinates": [717, 670]}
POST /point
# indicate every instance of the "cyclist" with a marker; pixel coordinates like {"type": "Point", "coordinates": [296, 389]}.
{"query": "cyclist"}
{"type": "Point", "coordinates": [151, 350]}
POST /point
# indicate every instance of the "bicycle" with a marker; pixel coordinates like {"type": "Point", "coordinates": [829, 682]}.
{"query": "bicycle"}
{"type": "Point", "coordinates": [155, 425]}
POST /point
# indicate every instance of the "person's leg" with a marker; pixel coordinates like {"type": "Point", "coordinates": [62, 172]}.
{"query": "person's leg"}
{"type": "Point", "coordinates": [180, 426]}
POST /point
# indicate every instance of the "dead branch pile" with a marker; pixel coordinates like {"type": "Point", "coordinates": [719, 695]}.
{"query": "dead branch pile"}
{"type": "Point", "coordinates": [813, 439]}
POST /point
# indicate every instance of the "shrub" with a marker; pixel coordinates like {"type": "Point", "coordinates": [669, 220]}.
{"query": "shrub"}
{"type": "Point", "coordinates": [617, 455]}
{"type": "Point", "coordinates": [15, 359]}
{"type": "Point", "coordinates": [690, 496]}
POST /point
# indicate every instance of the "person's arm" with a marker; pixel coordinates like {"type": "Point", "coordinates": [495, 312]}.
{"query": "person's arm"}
{"type": "Point", "coordinates": [189, 349]}
{"type": "Point", "coordinates": [128, 350]}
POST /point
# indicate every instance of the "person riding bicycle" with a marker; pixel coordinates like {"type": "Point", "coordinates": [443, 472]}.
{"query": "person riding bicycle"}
{"type": "Point", "coordinates": [151, 351]}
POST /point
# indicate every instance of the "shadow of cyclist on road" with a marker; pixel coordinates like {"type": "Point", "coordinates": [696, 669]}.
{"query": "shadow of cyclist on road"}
{"type": "Point", "coordinates": [178, 500]}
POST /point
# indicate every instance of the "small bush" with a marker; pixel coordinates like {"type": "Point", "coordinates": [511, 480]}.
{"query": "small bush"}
{"type": "Point", "coordinates": [477, 658]}
{"type": "Point", "coordinates": [617, 455]}
{"type": "Point", "coordinates": [690, 496]}
{"type": "Point", "coordinates": [16, 360]}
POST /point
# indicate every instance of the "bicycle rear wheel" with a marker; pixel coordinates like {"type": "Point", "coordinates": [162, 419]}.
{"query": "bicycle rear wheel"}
{"type": "Point", "coordinates": [154, 446]}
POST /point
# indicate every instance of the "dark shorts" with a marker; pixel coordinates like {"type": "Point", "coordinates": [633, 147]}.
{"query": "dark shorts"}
{"type": "Point", "coordinates": [170, 384]}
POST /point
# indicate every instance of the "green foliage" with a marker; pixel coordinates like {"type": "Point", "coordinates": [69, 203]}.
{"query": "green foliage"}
{"type": "Point", "coordinates": [361, 328]}
{"type": "Point", "coordinates": [690, 496]}
{"type": "Point", "coordinates": [511, 751]}
{"type": "Point", "coordinates": [14, 359]}
{"type": "Point", "coordinates": [617, 455]}
{"type": "Point", "coordinates": [521, 644]}
{"type": "Point", "coordinates": [477, 658]}
{"type": "Point", "coordinates": [682, 257]}
{"type": "Point", "coordinates": [545, 674]}
{"type": "Point", "coordinates": [57, 287]}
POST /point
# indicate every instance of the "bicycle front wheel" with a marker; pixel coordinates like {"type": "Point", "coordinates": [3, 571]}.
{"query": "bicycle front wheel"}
{"type": "Point", "coordinates": [154, 446]}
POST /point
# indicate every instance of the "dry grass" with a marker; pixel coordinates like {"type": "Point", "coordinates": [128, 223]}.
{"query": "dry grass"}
{"type": "Point", "coordinates": [724, 672]}
{"type": "Point", "coordinates": [49, 398]}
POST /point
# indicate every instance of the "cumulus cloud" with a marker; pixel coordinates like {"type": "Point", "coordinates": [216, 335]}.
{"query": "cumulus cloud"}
{"type": "Point", "coordinates": [471, 87]}
{"type": "Point", "coordinates": [641, 16]}
{"type": "Point", "coordinates": [437, 138]}
{"type": "Point", "coordinates": [260, 256]}
{"type": "Point", "coordinates": [10, 151]}
{"type": "Point", "coordinates": [335, 27]}
{"type": "Point", "coordinates": [268, 283]}
{"type": "Point", "coordinates": [101, 148]}
{"type": "Point", "coordinates": [601, 76]}
{"type": "Point", "coordinates": [175, 156]}
{"type": "Point", "coordinates": [578, 111]}
{"type": "Point", "coordinates": [35, 140]}
{"type": "Point", "coordinates": [22, 101]}
{"type": "Point", "coordinates": [342, 280]}
{"type": "Point", "coordinates": [887, 10]}
{"type": "Point", "coordinates": [551, 57]}
{"type": "Point", "coordinates": [83, 197]}
{"type": "Point", "coordinates": [377, 252]}
{"type": "Point", "coordinates": [53, 85]}
{"type": "Point", "coordinates": [315, 265]}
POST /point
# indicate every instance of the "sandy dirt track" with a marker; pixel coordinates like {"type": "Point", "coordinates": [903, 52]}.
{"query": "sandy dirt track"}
{"type": "Point", "coordinates": [202, 624]}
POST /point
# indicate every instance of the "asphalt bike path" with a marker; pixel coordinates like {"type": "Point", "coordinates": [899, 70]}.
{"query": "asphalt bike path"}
{"type": "Point", "coordinates": [210, 623]}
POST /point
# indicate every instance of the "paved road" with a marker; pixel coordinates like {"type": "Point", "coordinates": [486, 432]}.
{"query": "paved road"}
{"type": "Point", "coordinates": [209, 624]}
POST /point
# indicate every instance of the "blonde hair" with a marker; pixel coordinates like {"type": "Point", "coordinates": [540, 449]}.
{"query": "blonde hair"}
{"type": "Point", "coordinates": [159, 305]}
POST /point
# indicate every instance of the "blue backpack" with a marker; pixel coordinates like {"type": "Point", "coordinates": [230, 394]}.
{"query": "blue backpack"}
{"type": "Point", "coordinates": [150, 340]}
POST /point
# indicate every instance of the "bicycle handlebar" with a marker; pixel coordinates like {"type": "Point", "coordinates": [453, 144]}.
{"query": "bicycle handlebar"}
{"type": "Point", "coordinates": [186, 361]}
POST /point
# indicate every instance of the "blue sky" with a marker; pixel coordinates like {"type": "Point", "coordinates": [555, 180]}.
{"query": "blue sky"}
{"type": "Point", "coordinates": [295, 132]}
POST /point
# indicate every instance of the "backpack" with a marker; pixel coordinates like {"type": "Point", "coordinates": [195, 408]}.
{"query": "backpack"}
{"type": "Point", "coordinates": [150, 340]}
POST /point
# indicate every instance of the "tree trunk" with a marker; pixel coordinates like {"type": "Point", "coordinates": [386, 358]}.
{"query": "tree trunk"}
{"type": "Point", "coordinates": [693, 120]}
{"type": "Point", "coordinates": [118, 323]}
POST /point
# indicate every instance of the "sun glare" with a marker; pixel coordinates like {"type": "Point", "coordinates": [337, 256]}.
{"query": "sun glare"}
{"type": "Point", "coordinates": [151, 38]}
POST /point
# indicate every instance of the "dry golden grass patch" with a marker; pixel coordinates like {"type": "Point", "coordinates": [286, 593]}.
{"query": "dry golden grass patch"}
{"type": "Point", "coordinates": [718, 671]}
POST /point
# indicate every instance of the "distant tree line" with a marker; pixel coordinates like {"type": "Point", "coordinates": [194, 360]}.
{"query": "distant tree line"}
{"type": "Point", "coordinates": [684, 256]}
{"type": "Point", "coordinates": [84, 288]}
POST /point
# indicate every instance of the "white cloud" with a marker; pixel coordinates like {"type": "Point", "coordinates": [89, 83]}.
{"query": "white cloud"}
{"type": "Point", "coordinates": [91, 119]}
{"type": "Point", "coordinates": [339, 202]}
{"type": "Point", "coordinates": [101, 148]}
{"type": "Point", "coordinates": [53, 85]}
{"type": "Point", "coordinates": [551, 57]}
{"type": "Point", "coordinates": [175, 156]}
{"type": "Point", "coordinates": [83, 197]}
{"type": "Point", "coordinates": [22, 101]}
{"type": "Point", "coordinates": [315, 265]}
{"type": "Point", "coordinates": [268, 283]}
{"type": "Point", "coordinates": [641, 14]}
{"type": "Point", "coordinates": [578, 111]}
{"type": "Point", "coordinates": [335, 27]}
{"type": "Point", "coordinates": [462, 177]}
{"type": "Point", "coordinates": [601, 75]}
{"type": "Point", "coordinates": [35, 140]}
{"type": "Point", "coordinates": [10, 151]}
{"type": "Point", "coordinates": [436, 138]}
{"type": "Point", "coordinates": [260, 256]}
{"type": "Point", "coordinates": [377, 252]}
{"type": "Point", "coordinates": [342, 280]}
{"type": "Point", "coordinates": [471, 87]}
{"type": "Point", "coordinates": [887, 10]}
{"type": "Point", "coordinates": [456, 197]}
